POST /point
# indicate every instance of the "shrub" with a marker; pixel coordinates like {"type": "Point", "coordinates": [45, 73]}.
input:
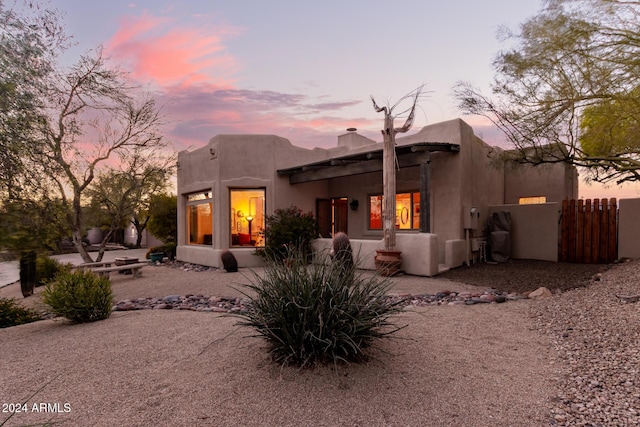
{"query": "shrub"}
{"type": "Point", "coordinates": [48, 268]}
{"type": "Point", "coordinates": [317, 314]}
{"type": "Point", "coordinates": [12, 313]}
{"type": "Point", "coordinates": [170, 250]}
{"type": "Point", "coordinates": [289, 228]}
{"type": "Point", "coordinates": [80, 296]}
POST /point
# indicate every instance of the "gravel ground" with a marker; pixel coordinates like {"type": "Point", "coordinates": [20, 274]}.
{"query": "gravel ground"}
{"type": "Point", "coordinates": [522, 276]}
{"type": "Point", "coordinates": [597, 338]}
{"type": "Point", "coordinates": [569, 360]}
{"type": "Point", "coordinates": [482, 365]}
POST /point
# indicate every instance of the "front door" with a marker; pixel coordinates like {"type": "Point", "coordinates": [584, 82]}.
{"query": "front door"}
{"type": "Point", "coordinates": [340, 214]}
{"type": "Point", "coordinates": [332, 216]}
{"type": "Point", "coordinates": [323, 214]}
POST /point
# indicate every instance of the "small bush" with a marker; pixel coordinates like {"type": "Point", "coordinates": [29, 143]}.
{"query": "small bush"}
{"type": "Point", "coordinates": [317, 314]}
{"type": "Point", "coordinates": [170, 249]}
{"type": "Point", "coordinates": [80, 296]}
{"type": "Point", "coordinates": [286, 229]}
{"type": "Point", "coordinates": [48, 268]}
{"type": "Point", "coordinates": [13, 314]}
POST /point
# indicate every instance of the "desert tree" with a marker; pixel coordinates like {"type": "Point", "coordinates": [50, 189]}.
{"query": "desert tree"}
{"type": "Point", "coordinates": [123, 195]}
{"type": "Point", "coordinates": [163, 210]}
{"type": "Point", "coordinates": [29, 43]}
{"type": "Point", "coordinates": [93, 116]}
{"type": "Point", "coordinates": [567, 88]}
{"type": "Point", "coordinates": [76, 121]}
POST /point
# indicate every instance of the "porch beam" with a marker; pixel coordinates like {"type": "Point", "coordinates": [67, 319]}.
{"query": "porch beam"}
{"type": "Point", "coordinates": [366, 166]}
{"type": "Point", "coordinates": [425, 195]}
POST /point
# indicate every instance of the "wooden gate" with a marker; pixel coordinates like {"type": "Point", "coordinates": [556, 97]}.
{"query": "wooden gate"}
{"type": "Point", "coordinates": [589, 231]}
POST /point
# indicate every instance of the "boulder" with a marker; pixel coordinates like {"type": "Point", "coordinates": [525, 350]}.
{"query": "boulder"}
{"type": "Point", "coordinates": [541, 292]}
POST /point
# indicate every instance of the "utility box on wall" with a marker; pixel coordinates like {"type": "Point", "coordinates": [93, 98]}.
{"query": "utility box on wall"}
{"type": "Point", "coordinates": [471, 218]}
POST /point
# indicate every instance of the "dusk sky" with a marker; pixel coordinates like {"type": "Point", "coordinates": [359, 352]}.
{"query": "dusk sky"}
{"type": "Point", "coordinates": [300, 70]}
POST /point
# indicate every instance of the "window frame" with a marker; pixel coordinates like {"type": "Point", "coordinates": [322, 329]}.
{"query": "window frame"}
{"type": "Point", "coordinates": [413, 214]}
{"type": "Point", "coordinates": [232, 217]}
{"type": "Point", "coordinates": [194, 199]}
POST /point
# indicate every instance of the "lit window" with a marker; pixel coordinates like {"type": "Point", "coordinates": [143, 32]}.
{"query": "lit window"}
{"type": "Point", "coordinates": [200, 218]}
{"type": "Point", "coordinates": [247, 216]}
{"type": "Point", "coordinates": [532, 200]}
{"type": "Point", "coordinates": [407, 211]}
{"type": "Point", "coordinates": [375, 212]}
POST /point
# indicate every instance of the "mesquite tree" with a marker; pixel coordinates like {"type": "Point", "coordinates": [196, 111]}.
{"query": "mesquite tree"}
{"type": "Point", "coordinates": [568, 88]}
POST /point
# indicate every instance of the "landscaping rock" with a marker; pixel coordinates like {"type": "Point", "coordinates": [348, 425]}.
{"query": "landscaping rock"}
{"type": "Point", "coordinates": [541, 292]}
{"type": "Point", "coordinates": [230, 304]}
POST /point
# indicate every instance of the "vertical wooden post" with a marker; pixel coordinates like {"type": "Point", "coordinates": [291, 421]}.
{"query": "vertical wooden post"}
{"type": "Point", "coordinates": [613, 231]}
{"type": "Point", "coordinates": [564, 233]}
{"type": "Point", "coordinates": [595, 232]}
{"type": "Point", "coordinates": [588, 220]}
{"type": "Point", "coordinates": [604, 232]}
{"type": "Point", "coordinates": [580, 232]}
{"type": "Point", "coordinates": [425, 196]}
{"type": "Point", "coordinates": [572, 230]}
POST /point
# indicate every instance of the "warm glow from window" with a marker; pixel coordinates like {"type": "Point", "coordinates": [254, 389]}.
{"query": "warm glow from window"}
{"type": "Point", "coordinates": [532, 200]}
{"type": "Point", "coordinates": [375, 212]}
{"type": "Point", "coordinates": [199, 219]}
{"type": "Point", "coordinates": [407, 211]}
{"type": "Point", "coordinates": [247, 216]}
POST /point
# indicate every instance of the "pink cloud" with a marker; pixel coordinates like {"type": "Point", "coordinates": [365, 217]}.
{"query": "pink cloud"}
{"type": "Point", "coordinates": [192, 74]}
{"type": "Point", "coordinates": [157, 49]}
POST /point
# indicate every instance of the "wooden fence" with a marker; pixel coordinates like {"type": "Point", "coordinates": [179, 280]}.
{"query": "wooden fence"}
{"type": "Point", "coordinates": [589, 231]}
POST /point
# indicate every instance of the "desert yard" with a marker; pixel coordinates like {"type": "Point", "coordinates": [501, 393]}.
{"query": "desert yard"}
{"type": "Point", "coordinates": [521, 363]}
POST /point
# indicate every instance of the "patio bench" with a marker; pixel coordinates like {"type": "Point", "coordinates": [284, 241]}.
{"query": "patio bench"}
{"type": "Point", "coordinates": [92, 265]}
{"type": "Point", "coordinates": [135, 269]}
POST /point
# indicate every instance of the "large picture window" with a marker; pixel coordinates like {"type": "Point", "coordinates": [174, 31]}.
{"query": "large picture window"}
{"type": "Point", "coordinates": [247, 216]}
{"type": "Point", "coordinates": [407, 211]}
{"type": "Point", "coordinates": [199, 218]}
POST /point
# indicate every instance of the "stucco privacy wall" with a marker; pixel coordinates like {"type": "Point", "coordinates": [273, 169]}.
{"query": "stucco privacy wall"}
{"type": "Point", "coordinates": [556, 181]}
{"type": "Point", "coordinates": [534, 230]}
{"type": "Point", "coordinates": [420, 252]}
{"type": "Point", "coordinates": [629, 228]}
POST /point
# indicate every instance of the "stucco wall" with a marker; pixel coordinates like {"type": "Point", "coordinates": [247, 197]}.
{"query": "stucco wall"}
{"type": "Point", "coordinates": [534, 230]}
{"type": "Point", "coordinates": [419, 252]}
{"type": "Point", "coordinates": [459, 181]}
{"type": "Point", "coordinates": [555, 181]}
{"type": "Point", "coordinates": [629, 228]}
{"type": "Point", "coordinates": [240, 161]}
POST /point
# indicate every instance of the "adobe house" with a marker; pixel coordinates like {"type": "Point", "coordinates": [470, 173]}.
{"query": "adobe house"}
{"type": "Point", "coordinates": [446, 182]}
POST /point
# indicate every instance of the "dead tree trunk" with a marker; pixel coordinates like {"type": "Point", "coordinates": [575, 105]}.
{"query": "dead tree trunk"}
{"type": "Point", "coordinates": [389, 165]}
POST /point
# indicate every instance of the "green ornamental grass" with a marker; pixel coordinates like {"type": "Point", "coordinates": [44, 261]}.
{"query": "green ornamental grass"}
{"type": "Point", "coordinates": [13, 314]}
{"type": "Point", "coordinates": [48, 268]}
{"type": "Point", "coordinates": [319, 313]}
{"type": "Point", "coordinates": [80, 296]}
